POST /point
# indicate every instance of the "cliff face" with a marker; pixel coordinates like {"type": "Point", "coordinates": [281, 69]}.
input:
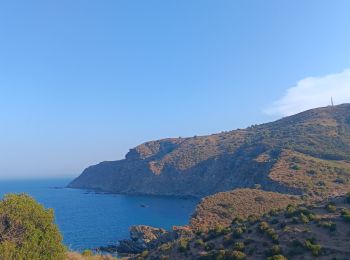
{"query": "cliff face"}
{"type": "Point", "coordinates": [205, 165]}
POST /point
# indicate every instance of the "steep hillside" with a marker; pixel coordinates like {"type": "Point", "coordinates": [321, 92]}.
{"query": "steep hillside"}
{"type": "Point", "coordinates": [200, 166]}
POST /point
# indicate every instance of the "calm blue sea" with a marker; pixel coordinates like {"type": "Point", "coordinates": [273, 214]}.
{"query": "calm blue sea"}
{"type": "Point", "coordinates": [90, 220]}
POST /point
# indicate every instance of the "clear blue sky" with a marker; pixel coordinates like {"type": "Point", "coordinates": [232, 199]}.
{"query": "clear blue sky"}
{"type": "Point", "coordinates": [84, 81]}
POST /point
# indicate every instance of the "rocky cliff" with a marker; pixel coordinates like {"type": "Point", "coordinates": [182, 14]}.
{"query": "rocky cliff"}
{"type": "Point", "coordinates": [311, 150]}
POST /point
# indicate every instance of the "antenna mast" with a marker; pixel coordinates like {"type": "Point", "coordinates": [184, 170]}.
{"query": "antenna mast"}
{"type": "Point", "coordinates": [332, 102]}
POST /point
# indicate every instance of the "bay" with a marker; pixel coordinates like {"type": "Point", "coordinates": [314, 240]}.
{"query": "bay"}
{"type": "Point", "coordinates": [88, 220]}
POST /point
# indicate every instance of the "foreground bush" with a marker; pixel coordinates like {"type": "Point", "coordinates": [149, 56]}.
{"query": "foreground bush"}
{"type": "Point", "coordinates": [28, 231]}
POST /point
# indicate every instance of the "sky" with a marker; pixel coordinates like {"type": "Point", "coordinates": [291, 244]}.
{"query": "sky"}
{"type": "Point", "coordinates": [84, 81]}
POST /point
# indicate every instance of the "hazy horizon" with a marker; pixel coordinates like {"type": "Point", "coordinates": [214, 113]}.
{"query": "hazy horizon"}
{"type": "Point", "coordinates": [83, 82]}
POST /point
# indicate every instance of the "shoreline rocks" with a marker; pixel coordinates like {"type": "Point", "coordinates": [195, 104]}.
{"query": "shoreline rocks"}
{"type": "Point", "coordinates": [145, 238]}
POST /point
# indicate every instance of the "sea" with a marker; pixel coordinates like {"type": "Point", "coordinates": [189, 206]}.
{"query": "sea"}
{"type": "Point", "coordinates": [88, 220]}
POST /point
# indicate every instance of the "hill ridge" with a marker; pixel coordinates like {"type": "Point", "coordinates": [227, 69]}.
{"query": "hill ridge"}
{"type": "Point", "coordinates": [204, 165]}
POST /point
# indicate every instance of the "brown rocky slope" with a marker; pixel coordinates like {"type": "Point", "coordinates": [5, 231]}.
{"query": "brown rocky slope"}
{"type": "Point", "coordinates": [200, 166]}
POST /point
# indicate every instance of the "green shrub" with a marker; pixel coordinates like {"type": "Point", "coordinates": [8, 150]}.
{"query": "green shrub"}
{"type": "Point", "coordinates": [274, 212]}
{"type": "Point", "coordinates": [345, 211]}
{"type": "Point", "coordinates": [238, 255]}
{"type": "Point", "coordinates": [165, 247]}
{"type": "Point", "coordinates": [277, 257]}
{"type": "Point", "coordinates": [314, 248]}
{"type": "Point", "coordinates": [223, 255]}
{"type": "Point", "coordinates": [87, 253]}
{"type": "Point", "coordinates": [209, 246]}
{"type": "Point", "coordinates": [295, 167]}
{"type": "Point", "coordinates": [237, 221]}
{"type": "Point", "coordinates": [237, 232]}
{"type": "Point", "coordinates": [28, 230]}
{"type": "Point", "coordinates": [219, 230]}
{"type": "Point", "coordinates": [263, 226]}
{"type": "Point", "coordinates": [346, 218]}
{"type": "Point", "coordinates": [227, 240]}
{"type": "Point", "coordinates": [290, 210]}
{"type": "Point", "coordinates": [275, 250]}
{"type": "Point", "coordinates": [144, 254]}
{"type": "Point", "coordinates": [184, 245]}
{"type": "Point", "coordinates": [199, 243]}
{"type": "Point", "coordinates": [239, 246]}
{"type": "Point", "coordinates": [330, 207]}
{"type": "Point", "coordinates": [303, 218]}
{"type": "Point", "coordinates": [328, 224]}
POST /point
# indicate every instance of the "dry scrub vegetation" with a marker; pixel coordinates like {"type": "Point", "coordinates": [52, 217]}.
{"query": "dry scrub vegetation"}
{"type": "Point", "coordinates": [316, 178]}
{"type": "Point", "coordinates": [321, 231]}
{"type": "Point", "coordinates": [221, 208]}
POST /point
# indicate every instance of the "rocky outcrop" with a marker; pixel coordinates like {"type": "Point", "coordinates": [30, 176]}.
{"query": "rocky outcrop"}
{"type": "Point", "coordinates": [205, 165]}
{"type": "Point", "coordinates": [146, 238]}
{"type": "Point", "coordinates": [142, 238]}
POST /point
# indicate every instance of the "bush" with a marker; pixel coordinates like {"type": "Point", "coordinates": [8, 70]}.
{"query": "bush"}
{"type": "Point", "coordinates": [184, 245]}
{"type": "Point", "coordinates": [239, 246]}
{"type": "Point", "coordinates": [144, 254]}
{"type": "Point", "coordinates": [295, 167]}
{"type": "Point", "coordinates": [198, 243]}
{"type": "Point", "coordinates": [28, 230]}
{"type": "Point", "coordinates": [237, 232]}
{"type": "Point", "coordinates": [209, 247]}
{"type": "Point", "coordinates": [330, 207]}
{"type": "Point", "coordinates": [314, 248]}
{"type": "Point", "coordinates": [252, 219]}
{"type": "Point", "coordinates": [290, 210]}
{"type": "Point", "coordinates": [237, 221]}
{"type": "Point", "coordinates": [165, 247]}
{"type": "Point", "coordinates": [274, 212]}
{"type": "Point", "coordinates": [345, 211]}
{"type": "Point", "coordinates": [227, 240]}
{"type": "Point", "coordinates": [223, 255]}
{"type": "Point", "coordinates": [87, 253]}
{"type": "Point", "coordinates": [303, 218]}
{"type": "Point", "coordinates": [328, 224]}
{"type": "Point", "coordinates": [277, 257]}
{"type": "Point", "coordinates": [346, 218]}
{"type": "Point", "coordinates": [263, 226]}
{"type": "Point", "coordinates": [275, 250]}
{"type": "Point", "coordinates": [219, 230]}
{"type": "Point", "coordinates": [238, 255]}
